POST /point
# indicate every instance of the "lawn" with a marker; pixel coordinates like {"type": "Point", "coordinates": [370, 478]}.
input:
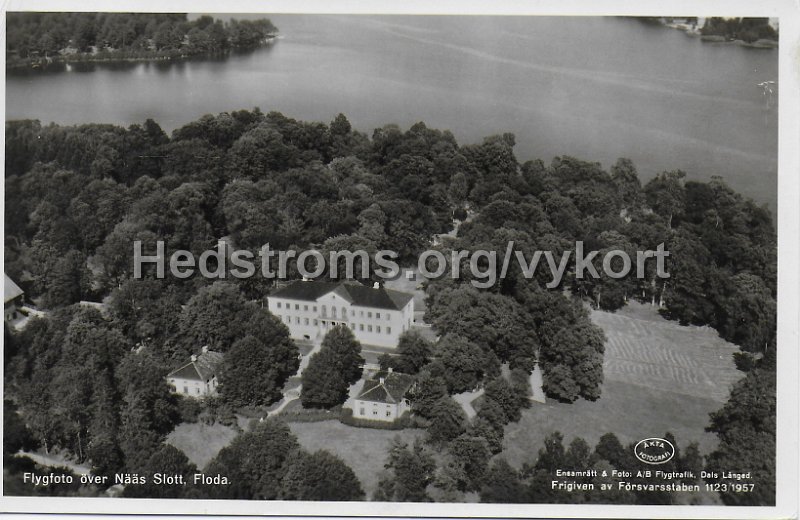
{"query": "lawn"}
{"type": "Point", "coordinates": [647, 350]}
{"type": "Point", "coordinates": [303, 346]}
{"type": "Point", "coordinates": [200, 442]}
{"type": "Point", "coordinates": [659, 377]}
{"type": "Point", "coordinates": [363, 449]}
{"type": "Point", "coordinates": [294, 412]}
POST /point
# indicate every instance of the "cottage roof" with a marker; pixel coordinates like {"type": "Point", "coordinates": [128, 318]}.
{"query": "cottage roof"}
{"type": "Point", "coordinates": [354, 292]}
{"type": "Point", "coordinates": [203, 368]}
{"type": "Point", "coordinates": [11, 289]}
{"type": "Point", "coordinates": [386, 387]}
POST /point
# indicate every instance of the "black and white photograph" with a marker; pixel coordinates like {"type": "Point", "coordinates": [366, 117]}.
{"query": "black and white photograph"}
{"type": "Point", "coordinates": [400, 262]}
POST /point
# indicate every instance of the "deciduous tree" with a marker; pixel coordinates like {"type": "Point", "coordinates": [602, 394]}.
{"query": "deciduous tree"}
{"type": "Point", "coordinates": [320, 476]}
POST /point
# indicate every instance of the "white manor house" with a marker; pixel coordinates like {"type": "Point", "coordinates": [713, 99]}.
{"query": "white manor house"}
{"type": "Point", "coordinates": [377, 316]}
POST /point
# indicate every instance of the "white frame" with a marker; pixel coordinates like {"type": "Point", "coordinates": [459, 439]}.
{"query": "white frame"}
{"type": "Point", "coordinates": [788, 251]}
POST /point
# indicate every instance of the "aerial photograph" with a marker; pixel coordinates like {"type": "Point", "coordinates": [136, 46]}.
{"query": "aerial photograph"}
{"type": "Point", "coordinates": [391, 258]}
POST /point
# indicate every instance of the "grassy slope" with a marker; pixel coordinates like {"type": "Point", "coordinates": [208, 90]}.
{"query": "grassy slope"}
{"type": "Point", "coordinates": [363, 449]}
{"type": "Point", "coordinates": [659, 377]}
{"type": "Point", "coordinates": [200, 442]}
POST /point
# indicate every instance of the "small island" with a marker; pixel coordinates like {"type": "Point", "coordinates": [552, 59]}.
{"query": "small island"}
{"type": "Point", "coordinates": [35, 40]}
{"type": "Point", "coordinates": [751, 32]}
{"type": "Point", "coordinates": [760, 33]}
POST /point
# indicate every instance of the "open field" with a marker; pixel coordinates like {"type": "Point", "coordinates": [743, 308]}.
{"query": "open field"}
{"type": "Point", "coordinates": [659, 377]}
{"type": "Point", "coordinates": [645, 349]}
{"type": "Point", "coordinates": [363, 449]}
{"type": "Point", "coordinates": [200, 442]}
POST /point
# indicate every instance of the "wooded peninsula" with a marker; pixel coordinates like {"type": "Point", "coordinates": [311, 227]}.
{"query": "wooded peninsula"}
{"type": "Point", "coordinates": [39, 39]}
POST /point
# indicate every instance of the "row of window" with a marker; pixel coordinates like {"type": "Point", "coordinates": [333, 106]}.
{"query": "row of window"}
{"type": "Point", "coordinates": [197, 387]}
{"type": "Point", "coordinates": [375, 412]}
{"type": "Point", "coordinates": [369, 328]}
{"type": "Point", "coordinates": [288, 306]}
{"type": "Point", "coordinates": [315, 322]}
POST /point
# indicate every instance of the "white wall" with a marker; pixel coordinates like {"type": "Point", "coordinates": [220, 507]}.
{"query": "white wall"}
{"type": "Point", "coordinates": [300, 316]}
{"type": "Point", "coordinates": [193, 387]}
{"type": "Point", "coordinates": [188, 387]}
{"type": "Point", "coordinates": [375, 411]}
{"type": "Point", "coordinates": [10, 311]}
{"type": "Point", "coordinates": [313, 320]}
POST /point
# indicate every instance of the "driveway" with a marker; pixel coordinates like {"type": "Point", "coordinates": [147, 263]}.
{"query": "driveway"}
{"type": "Point", "coordinates": [537, 394]}
{"type": "Point", "coordinates": [465, 400]}
{"type": "Point", "coordinates": [51, 460]}
{"type": "Point", "coordinates": [294, 392]}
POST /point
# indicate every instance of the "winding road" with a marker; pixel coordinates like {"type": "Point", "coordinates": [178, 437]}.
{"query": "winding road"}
{"type": "Point", "coordinates": [294, 392]}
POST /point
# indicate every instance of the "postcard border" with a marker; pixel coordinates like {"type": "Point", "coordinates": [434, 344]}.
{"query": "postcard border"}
{"type": "Point", "coordinates": [788, 254]}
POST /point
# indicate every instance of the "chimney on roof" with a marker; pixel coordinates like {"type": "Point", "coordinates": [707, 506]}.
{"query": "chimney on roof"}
{"type": "Point", "coordinates": [194, 358]}
{"type": "Point", "coordinates": [382, 380]}
{"type": "Point", "coordinates": [205, 349]}
{"type": "Point", "coordinates": [376, 285]}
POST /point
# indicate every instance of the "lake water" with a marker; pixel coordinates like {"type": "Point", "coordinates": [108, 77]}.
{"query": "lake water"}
{"type": "Point", "coordinates": [595, 88]}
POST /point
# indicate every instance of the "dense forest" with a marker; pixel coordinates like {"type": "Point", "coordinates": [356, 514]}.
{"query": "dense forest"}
{"type": "Point", "coordinates": [40, 38]}
{"type": "Point", "coordinates": [746, 29]}
{"type": "Point", "coordinates": [92, 383]}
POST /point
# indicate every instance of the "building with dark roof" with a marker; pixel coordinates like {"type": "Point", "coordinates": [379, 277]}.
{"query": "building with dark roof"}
{"type": "Point", "coordinates": [198, 377]}
{"type": "Point", "coordinates": [13, 299]}
{"type": "Point", "coordinates": [376, 315]}
{"type": "Point", "coordinates": [383, 397]}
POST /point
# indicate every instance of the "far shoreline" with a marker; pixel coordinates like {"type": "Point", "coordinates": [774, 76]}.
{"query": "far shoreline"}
{"type": "Point", "coordinates": [47, 64]}
{"type": "Point", "coordinates": [694, 32]}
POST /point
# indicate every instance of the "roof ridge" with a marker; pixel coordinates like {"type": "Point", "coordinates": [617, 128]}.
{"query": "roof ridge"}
{"type": "Point", "coordinates": [11, 289]}
{"type": "Point", "coordinates": [377, 387]}
{"type": "Point", "coordinates": [356, 292]}
{"type": "Point", "coordinates": [386, 389]}
{"type": "Point", "coordinates": [192, 363]}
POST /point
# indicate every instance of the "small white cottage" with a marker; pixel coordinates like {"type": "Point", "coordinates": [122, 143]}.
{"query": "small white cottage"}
{"type": "Point", "coordinates": [383, 397]}
{"type": "Point", "coordinates": [197, 378]}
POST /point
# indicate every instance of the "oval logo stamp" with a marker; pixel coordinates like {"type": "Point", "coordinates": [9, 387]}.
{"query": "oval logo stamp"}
{"type": "Point", "coordinates": [654, 450]}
